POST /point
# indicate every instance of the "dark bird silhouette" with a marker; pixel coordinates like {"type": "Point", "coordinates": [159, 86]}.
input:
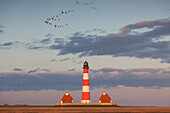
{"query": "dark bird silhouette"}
{"type": "Point", "coordinates": [51, 20]}
{"type": "Point", "coordinates": [46, 22]}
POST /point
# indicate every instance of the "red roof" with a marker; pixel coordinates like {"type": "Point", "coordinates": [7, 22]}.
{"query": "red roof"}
{"type": "Point", "coordinates": [105, 98]}
{"type": "Point", "coordinates": [67, 98]}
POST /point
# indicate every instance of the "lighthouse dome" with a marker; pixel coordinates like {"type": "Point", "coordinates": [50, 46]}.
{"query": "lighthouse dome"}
{"type": "Point", "coordinates": [85, 65]}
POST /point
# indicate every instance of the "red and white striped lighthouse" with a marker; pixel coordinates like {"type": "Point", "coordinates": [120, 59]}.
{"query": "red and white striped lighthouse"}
{"type": "Point", "coordinates": [85, 87]}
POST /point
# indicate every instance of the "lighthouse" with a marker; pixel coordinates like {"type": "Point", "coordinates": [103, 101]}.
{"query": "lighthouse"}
{"type": "Point", "coordinates": [85, 87]}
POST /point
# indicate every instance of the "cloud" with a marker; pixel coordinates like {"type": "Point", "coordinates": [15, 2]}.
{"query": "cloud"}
{"type": "Point", "coordinates": [45, 41]}
{"type": "Point", "coordinates": [7, 44]}
{"type": "Point", "coordinates": [77, 2]}
{"type": "Point", "coordinates": [38, 70]}
{"type": "Point", "coordinates": [89, 4]}
{"type": "Point", "coordinates": [39, 81]}
{"type": "Point", "coordinates": [64, 59]}
{"type": "Point", "coordinates": [140, 45]}
{"type": "Point", "coordinates": [1, 27]}
{"type": "Point", "coordinates": [53, 60]}
{"type": "Point", "coordinates": [94, 8]}
{"type": "Point", "coordinates": [142, 77]}
{"type": "Point", "coordinates": [35, 47]}
{"type": "Point", "coordinates": [34, 44]}
{"type": "Point", "coordinates": [94, 30]}
{"type": "Point", "coordinates": [71, 69]}
{"type": "Point", "coordinates": [39, 44]}
{"type": "Point", "coordinates": [17, 69]}
{"type": "Point", "coordinates": [78, 62]}
{"type": "Point", "coordinates": [140, 40]}
{"type": "Point", "coordinates": [146, 24]}
{"type": "Point", "coordinates": [1, 31]}
{"type": "Point", "coordinates": [49, 35]}
{"type": "Point", "coordinates": [105, 77]}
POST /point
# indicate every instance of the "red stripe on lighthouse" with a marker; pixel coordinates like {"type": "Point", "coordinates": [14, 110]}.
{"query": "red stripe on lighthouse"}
{"type": "Point", "coordinates": [86, 96]}
{"type": "Point", "coordinates": [85, 70]}
{"type": "Point", "coordinates": [85, 82]}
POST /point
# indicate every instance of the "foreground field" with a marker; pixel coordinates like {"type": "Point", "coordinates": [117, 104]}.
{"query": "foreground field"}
{"type": "Point", "coordinates": [84, 109]}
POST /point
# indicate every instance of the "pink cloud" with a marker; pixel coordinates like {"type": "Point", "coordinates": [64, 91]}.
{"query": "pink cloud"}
{"type": "Point", "coordinates": [143, 24]}
{"type": "Point", "coordinates": [64, 80]}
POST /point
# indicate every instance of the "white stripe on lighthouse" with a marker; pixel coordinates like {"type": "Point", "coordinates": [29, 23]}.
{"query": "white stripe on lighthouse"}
{"type": "Point", "coordinates": [85, 89]}
{"type": "Point", "coordinates": [85, 101]}
{"type": "Point", "coordinates": [85, 76]}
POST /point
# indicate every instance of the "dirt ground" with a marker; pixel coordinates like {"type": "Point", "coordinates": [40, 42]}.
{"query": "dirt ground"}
{"type": "Point", "coordinates": [84, 109]}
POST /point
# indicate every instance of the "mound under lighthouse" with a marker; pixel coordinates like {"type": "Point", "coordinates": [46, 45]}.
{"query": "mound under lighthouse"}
{"type": "Point", "coordinates": [85, 87]}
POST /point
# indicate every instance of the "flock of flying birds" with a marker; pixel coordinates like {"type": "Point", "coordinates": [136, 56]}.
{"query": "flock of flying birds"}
{"type": "Point", "coordinates": [57, 19]}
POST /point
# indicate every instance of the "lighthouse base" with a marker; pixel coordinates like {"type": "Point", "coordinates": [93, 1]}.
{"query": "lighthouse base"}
{"type": "Point", "coordinates": [85, 101]}
{"type": "Point", "coordinates": [88, 104]}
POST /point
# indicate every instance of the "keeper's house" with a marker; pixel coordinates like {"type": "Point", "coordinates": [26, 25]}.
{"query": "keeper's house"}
{"type": "Point", "coordinates": [67, 98]}
{"type": "Point", "coordinates": [105, 98]}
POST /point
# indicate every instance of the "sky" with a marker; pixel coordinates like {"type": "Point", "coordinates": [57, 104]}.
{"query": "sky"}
{"type": "Point", "coordinates": [126, 43]}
